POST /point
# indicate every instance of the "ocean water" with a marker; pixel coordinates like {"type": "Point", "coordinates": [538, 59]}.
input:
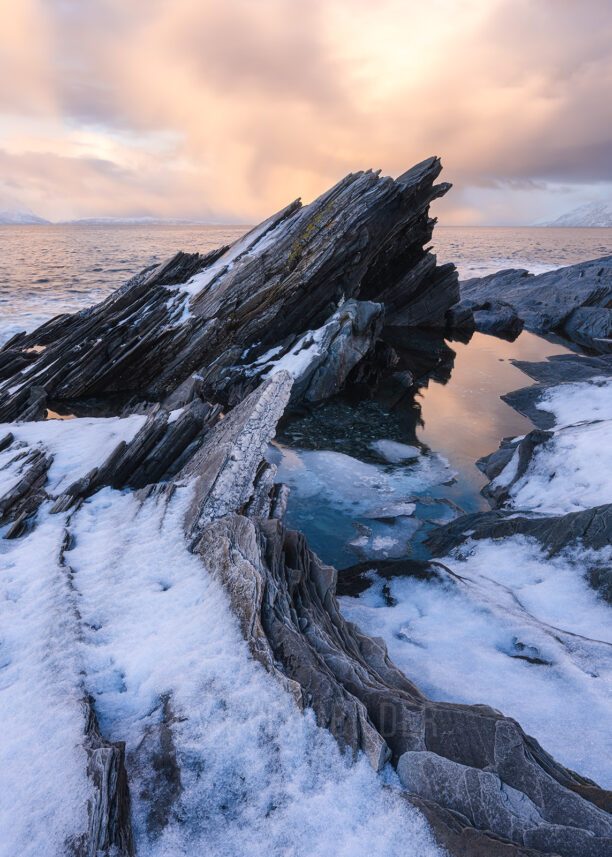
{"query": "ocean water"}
{"type": "Point", "coordinates": [47, 270]}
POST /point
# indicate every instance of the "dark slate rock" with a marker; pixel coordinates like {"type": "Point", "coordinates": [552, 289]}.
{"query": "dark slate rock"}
{"type": "Point", "coordinates": [23, 499]}
{"type": "Point", "coordinates": [363, 239]}
{"type": "Point", "coordinates": [491, 316]}
{"type": "Point", "coordinates": [592, 527]}
{"type": "Point", "coordinates": [554, 301]}
{"type": "Point", "coordinates": [355, 579]}
{"type": "Point", "coordinates": [591, 326]}
{"type": "Point", "coordinates": [561, 368]}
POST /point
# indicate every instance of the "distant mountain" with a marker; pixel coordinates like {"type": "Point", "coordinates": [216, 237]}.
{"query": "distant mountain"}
{"type": "Point", "coordinates": [20, 218]}
{"type": "Point", "coordinates": [591, 214]}
{"type": "Point", "coordinates": [133, 221]}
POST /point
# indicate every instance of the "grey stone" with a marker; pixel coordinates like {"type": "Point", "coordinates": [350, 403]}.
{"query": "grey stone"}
{"type": "Point", "coordinates": [572, 301]}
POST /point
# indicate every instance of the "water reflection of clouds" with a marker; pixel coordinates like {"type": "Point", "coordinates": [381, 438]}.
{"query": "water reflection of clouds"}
{"type": "Point", "coordinates": [466, 418]}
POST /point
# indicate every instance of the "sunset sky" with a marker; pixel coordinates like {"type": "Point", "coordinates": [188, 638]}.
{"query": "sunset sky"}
{"type": "Point", "coordinates": [228, 110]}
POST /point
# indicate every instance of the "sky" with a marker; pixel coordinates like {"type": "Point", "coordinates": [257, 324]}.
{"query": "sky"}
{"type": "Point", "coordinates": [227, 110]}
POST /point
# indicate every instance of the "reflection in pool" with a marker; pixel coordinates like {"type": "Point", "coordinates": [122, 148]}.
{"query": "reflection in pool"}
{"type": "Point", "coordinates": [355, 493]}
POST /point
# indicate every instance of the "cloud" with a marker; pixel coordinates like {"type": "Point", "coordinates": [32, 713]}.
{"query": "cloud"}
{"type": "Point", "coordinates": [194, 106]}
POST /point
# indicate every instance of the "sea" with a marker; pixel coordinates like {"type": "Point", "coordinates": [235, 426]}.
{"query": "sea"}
{"type": "Point", "coordinates": [47, 270]}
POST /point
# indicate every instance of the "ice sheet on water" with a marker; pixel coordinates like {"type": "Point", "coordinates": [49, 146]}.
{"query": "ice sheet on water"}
{"type": "Point", "coordinates": [521, 632]}
{"type": "Point", "coordinates": [394, 452]}
{"type": "Point", "coordinates": [355, 486]}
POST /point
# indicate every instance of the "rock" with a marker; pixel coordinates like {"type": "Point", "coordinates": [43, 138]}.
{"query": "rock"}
{"type": "Point", "coordinates": [560, 368]}
{"type": "Point", "coordinates": [110, 830]}
{"type": "Point", "coordinates": [592, 527]}
{"type": "Point", "coordinates": [592, 327]}
{"type": "Point", "coordinates": [491, 316]}
{"type": "Point", "coordinates": [357, 578]}
{"type": "Point", "coordinates": [25, 496]}
{"type": "Point", "coordinates": [211, 316]}
{"type": "Point", "coordinates": [454, 832]}
{"type": "Point", "coordinates": [498, 319]}
{"type": "Point", "coordinates": [320, 361]}
{"type": "Point", "coordinates": [284, 597]}
{"type": "Point", "coordinates": [489, 803]}
{"type": "Point", "coordinates": [461, 317]}
{"type": "Point", "coordinates": [228, 466]}
{"type": "Point", "coordinates": [572, 301]}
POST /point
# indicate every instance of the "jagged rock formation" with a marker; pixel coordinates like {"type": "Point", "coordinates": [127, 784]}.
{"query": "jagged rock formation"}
{"type": "Point", "coordinates": [197, 321]}
{"type": "Point", "coordinates": [213, 349]}
{"type": "Point", "coordinates": [575, 302]}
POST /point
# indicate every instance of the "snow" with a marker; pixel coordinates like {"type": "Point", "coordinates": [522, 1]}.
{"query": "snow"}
{"type": "Point", "coordinates": [571, 471]}
{"type": "Point", "coordinates": [43, 783]}
{"type": "Point", "coordinates": [258, 777]}
{"type": "Point", "coordinates": [77, 446]}
{"type": "Point", "coordinates": [464, 641]}
{"type": "Point", "coordinates": [394, 452]}
{"type": "Point", "coordinates": [135, 619]}
{"type": "Point", "coordinates": [20, 217]}
{"type": "Point", "coordinates": [298, 360]}
{"type": "Point", "coordinates": [586, 400]}
{"type": "Point", "coordinates": [592, 214]}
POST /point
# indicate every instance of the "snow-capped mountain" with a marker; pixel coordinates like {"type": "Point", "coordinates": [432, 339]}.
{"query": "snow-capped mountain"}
{"type": "Point", "coordinates": [590, 214]}
{"type": "Point", "coordinates": [134, 221]}
{"type": "Point", "coordinates": [20, 217]}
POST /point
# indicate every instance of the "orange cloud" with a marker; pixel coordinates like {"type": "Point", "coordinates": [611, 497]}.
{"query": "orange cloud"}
{"type": "Point", "coordinates": [192, 107]}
